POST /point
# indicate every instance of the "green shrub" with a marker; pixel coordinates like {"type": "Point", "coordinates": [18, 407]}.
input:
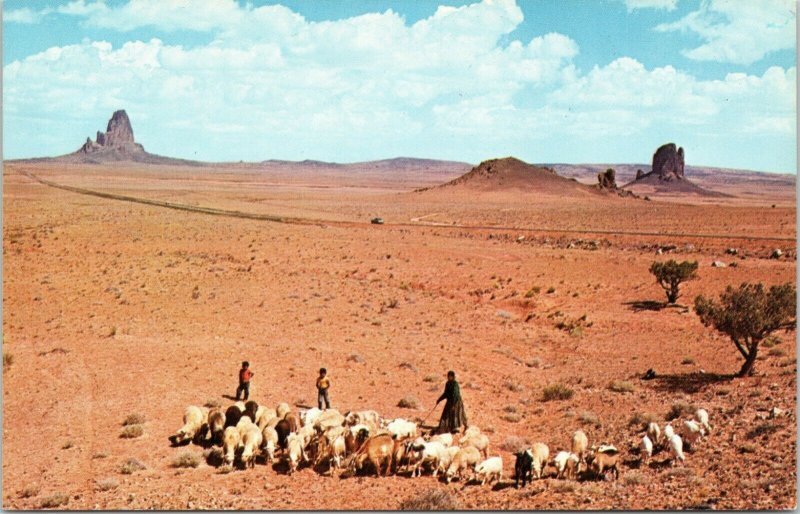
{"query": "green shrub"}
{"type": "Point", "coordinates": [671, 274]}
{"type": "Point", "coordinates": [556, 392]}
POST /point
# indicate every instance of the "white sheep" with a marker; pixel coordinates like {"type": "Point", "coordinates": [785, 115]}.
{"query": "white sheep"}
{"type": "Point", "coordinates": [369, 418]}
{"type": "Point", "coordinates": [195, 420]}
{"type": "Point", "coordinates": [266, 416]}
{"type": "Point", "coordinates": [654, 433]}
{"type": "Point", "coordinates": [230, 443]}
{"type": "Point", "coordinates": [282, 409]}
{"type": "Point", "coordinates": [491, 468]}
{"type": "Point", "coordinates": [251, 441]}
{"type": "Point", "coordinates": [401, 428]}
{"type": "Point", "coordinates": [240, 405]}
{"type": "Point", "coordinates": [472, 431]}
{"type": "Point", "coordinates": [466, 458]}
{"type": "Point", "coordinates": [668, 433]}
{"type": "Point", "coordinates": [310, 416]}
{"type": "Point", "coordinates": [446, 458]}
{"type": "Point", "coordinates": [295, 452]}
{"type": "Point", "coordinates": [579, 444]}
{"type": "Point", "coordinates": [676, 448]}
{"type": "Point", "coordinates": [702, 417]}
{"type": "Point", "coordinates": [269, 441]}
{"type": "Point", "coordinates": [479, 441]}
{"type": "Point", "coordinates": [691, 432]}
{"type": "Point", "coordinates": [427, 453]}
{"type": "Point", "coordinates": [646, 447]}
{"type": "Point", "coordinates": [446, 438]}
{"type": "Point", "coordinates": [244, 425]}
{"type": "Point", "coordinates": [327, 419]}
{"type": "Point", "coordinates": [540, 453]}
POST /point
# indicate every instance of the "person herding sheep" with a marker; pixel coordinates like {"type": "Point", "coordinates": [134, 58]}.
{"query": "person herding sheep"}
{"type": "Point", "coordinates": [323, 384]}
{"type": "Point", "coordinates": [453, 415]}
{"type": "Point", "coordinates": [245, 374]}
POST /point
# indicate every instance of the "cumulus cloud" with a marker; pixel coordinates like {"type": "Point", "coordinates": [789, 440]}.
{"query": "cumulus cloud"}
{"type": "Point", "coordinates": [739, 32]}
{"type": "Point", "coordinates": [668, 5]}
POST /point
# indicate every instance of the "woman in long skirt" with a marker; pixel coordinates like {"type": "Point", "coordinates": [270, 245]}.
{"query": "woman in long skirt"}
{"type": "Point", "coordinates": [453, 415]}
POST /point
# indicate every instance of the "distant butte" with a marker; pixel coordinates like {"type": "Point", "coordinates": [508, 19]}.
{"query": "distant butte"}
{"type": "Point", "coordinates": [667, 174]}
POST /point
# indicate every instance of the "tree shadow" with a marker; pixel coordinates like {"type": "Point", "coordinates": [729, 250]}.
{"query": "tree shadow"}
{"type": "Point", "coordinates": [652, 305]}
{"type": "Point", "coordinates": [689, 382]}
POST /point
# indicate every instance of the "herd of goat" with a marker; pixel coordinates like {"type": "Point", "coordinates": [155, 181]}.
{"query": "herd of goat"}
{"type": "Point", "coordinates": [362, 440]}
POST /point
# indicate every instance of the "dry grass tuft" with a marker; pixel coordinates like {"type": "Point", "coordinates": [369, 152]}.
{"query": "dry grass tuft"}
{"type": "Point", "coordinates": [107, 484]}
{"type": "Point", "coordinates": [556, 392]}
{"type": "Point", "coordinates": [408, 402]}
{"type": "Point", "coordinates": [187, 459]}
{"type": "Point", "coordinates": [431, 499]}
{"type": "Point", "coordinates": [132, 431]}
{"type": "Point", "coordinates": [54, 500]}
{"type": "Point", "coordinates": [621, 386]}
{"type": "Point", "coordinates": [133, 419]}
{"type": "Point", "coordinates": [131, 466]}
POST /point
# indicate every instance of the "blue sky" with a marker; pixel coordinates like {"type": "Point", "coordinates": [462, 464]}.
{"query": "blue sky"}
{"type": "Point", "coordinates": [546, 81]}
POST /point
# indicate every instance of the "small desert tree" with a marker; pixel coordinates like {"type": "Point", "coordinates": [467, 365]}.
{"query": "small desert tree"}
{"type": "Point", "coordinates": [748, 314]}
{"type": "Point", "coordinates": [671, 274]}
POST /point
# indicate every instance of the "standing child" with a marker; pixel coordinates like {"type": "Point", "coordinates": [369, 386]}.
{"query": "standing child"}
{"type": "Point", "coordinates": [245, 374]}
{"type": "Point", "coordinates": [323, 383]}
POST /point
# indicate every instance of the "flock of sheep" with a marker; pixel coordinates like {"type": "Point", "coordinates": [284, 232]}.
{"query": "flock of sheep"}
{"type": "Point", "coordinates": [351, 441]}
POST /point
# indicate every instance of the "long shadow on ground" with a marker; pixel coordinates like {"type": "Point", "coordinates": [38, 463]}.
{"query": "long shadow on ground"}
{"type": "Point", "coordinates": [689, 382]}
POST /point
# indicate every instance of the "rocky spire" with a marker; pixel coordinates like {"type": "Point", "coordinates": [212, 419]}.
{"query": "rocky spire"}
{"type": "Point", "coordinates": [668, 162]}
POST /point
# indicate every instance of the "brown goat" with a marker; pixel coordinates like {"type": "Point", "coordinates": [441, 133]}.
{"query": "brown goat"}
{"type": "Point", "coordinates": [600, 462]}
{"type": "Point", "coordinates": [378, 451]}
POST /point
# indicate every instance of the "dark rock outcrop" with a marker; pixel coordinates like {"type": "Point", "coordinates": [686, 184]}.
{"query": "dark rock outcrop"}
{"type": "Point", "coordinates": [639, 174]}
{"type": "Point", "coordinates": [668, 162]}
{"type": "Point", "coordinates": [607, 179]}
{"type": "Point", "coordinates": [117, 137]}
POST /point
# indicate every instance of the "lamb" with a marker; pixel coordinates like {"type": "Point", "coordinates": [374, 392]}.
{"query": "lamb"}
{"type": "Point", "coordinates": [428, 453]}
{"type": "Point", "coordinates": [602, 461]}
{"type": "Point", "coordinates": [446, 458]}
{"type": "Point", "coordinates": [251, 441]}
{"type": "Point", "coordinates": [702, 417]}
{"type": "Point", "coordinates": [446, 438]}
{"type": "Point", "coordinates": [282, 409]}
{"type": "Point", "coordinates": [479, 441]}
{"type": "Point", "coordinates": [250, 409]}
{"type": "Point", "coordinates": [195, 423]}
{"type": "Point", "coordinates": [491, 468]}
{"type": "Point", "coordinates": [646, 447]}
{"type": "Point", "coordinates": [676, 448]}
{"type": "Point", "coordinates": [540, 453]}
{"type": "Point", "coordinates": [471, 431]}
{"type": "Point", "coordinates": [579, 444]}
{"type": "Point", "coordinates": [216, 425]}
{"type": "Point", "coordinates": [310, 416]}
{"type": "Point", "coordinates": [654, 433]}
{"type": "Point", "coordinates": [269, 441]}
{"type": "Point", "coordinates": [566, 464]}
{"type": "Point", "coordinates": [400, 428]}
{"type": "Point", "coordinates": [267, 415]}
{"type": "Point", "coordinates": [230, 443]}
{"type": "Point", "coordinates": [691, 432]}
{"type": "Point", "coordinates": [296, 452]}
{"type": "Point", "coordinates": [329, 418]}
{"type": "Point", "coordinates": [465, 458]}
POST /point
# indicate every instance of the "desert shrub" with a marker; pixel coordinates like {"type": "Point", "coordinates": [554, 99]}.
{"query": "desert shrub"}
{"type": "Point", "coordinates": [671, 274]}
{"type": "Point", "coordinates": [748, 315]}
{"type": "Point", "coordinates": [132, 431]}
{"type": "Point", "coordinates": [133, 419]}
{"type": "Point", "coordinates": [573, 326]}
{"type": "Point", "coordinates": [107, 484]}
{"type": "Point", "coordinates": [100, 455]}
{"type": "Point", "coordinates": [408, 402]}
{"type": "Point", "coordinates": [776, 352]}
{"type": "Point", "coordinates": [8, 359]}
{"type": "Point", "coordinates": [513, 386]}
{"type": "Point", "coordinates": [679, 472]}
{"type": "Point", "coordinates": [512, 417]}
{"type": "Point", "coordinates": [515, 444]}
{"type": "Point", "coordinates": [771, 341]}
{"type": "Point", "coordinates": [54, 500]}
{"type": "Point", "coordinates": [187, 459]}
{"type": "Point", "coordinates": [29, 491]}
{"type": "Point", "coordinates": [354, 357]}
{"type": "Point", "coordinates": [556, 392]}
{"type": "Point", "coordinates": [687, 361]}
{"type": "Point", "coordinates": [589, 418]}
{"type": "Point", "coordinates": [131, 466]}
{"type": "Point", "coordinates": [641, 419]}
{"type": "Point", "coordinates": [635, 478]}
{"type": "Point", "coordinates": [535, 362]}
{"type": "Point", "coordinates": [430, 378]}
{"type": "Point", "coordinates": [764, 429]}
{"type": "Point", "coordinates": [213, 404]}
{"type": "Point", "coordinates": [67, 445]}
{"type": "Point", "coordinates": [747, 448]}
{"type": "Point", "coordinates": [563, 486]}
{"type": "Point", "coordinates": [532, 291]}
{"type": "Point", "coordinates": [621, 386]}
{"type": "Point", "coordinates": [679, 409]}
{"type": "Point", "coordinates": [431, 499]}
{"type": "Point", "coordinates": [408, 366]}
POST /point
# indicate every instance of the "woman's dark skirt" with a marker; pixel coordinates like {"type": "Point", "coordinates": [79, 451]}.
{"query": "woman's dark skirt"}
{"type": "Point", "coordinates": [453, 417]}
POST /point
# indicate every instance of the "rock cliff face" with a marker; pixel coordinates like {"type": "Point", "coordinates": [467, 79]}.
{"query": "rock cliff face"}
{"type": "Point", "coordinates": [118, 136]}
{"type": "Point", "coordinates": [668, 162]}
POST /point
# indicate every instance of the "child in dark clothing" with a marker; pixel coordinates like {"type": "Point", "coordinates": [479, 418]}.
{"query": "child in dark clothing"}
{"type": "Point", "coordinates": [245, 374]}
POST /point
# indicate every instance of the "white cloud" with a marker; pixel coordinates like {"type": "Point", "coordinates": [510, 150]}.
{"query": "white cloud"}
{"type": "Point", "coordinates": [24, 15]}
{"type": "Point", "coordinates": [738, 31]}
{"type": "Point", "coordinates": [668, 5]}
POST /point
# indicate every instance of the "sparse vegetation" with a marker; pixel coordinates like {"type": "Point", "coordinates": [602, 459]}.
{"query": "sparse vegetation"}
{"type": "Point", "coordinates": [354, 357]}
{"type": "Point", "coordinates": [513, 386]}
{"type": "Point", "coordinates": [679, 409]}
{"type": "Point", "coordinates": [187, 459]}
{"type": "Point", "coordinates": [551, 290]}
{"type": "Point", "coordinates": [100, 455]}
{"type": "Point", "coordinates": [621, 386]}
{"type": "Point", "coordinates": [512, 417]}
{"type": "Point", "coordinates": [589, 418]}
{"type": "Point", "coordinates": [687, 361]}
{"type": "Point", "coordinates": [679, 472]}
{"type": "Point", "coordinates": [776, 352]}
{"type": "Point", "coordinates": [671, 274]}
{"type": "Point", "coordinates": [8, 359]}
{"type": "Point", "coordinates": [131, 465]}
{"type": "Point", "coordinates": [107, 484]}
{"type": "Point", "coordinates": [213, 404]}
{"type": "Point", "coordinates": [771, 341]}
{"type": "Point", "coordinates": [748, 315]}
{"type": "Point", "coordinates": [430, 378]}
{"type": "Point", "coordinates": [573, 326]}
{"type": "Point", "coordinates": [564, 486]}
{"type": "Point", "coordinates": [67, 445]}
{"type": "Point", "coordinates": [408, 366]}
{"type": "Point", "coordinates": [635, 478]}
{"type": "Point", "coordinates": [431, 499]}
{"type": "Point", "coordinates": [133, 419]}
{"type": "Point", "coordinates": [532, 291]}
{"type": "Point", "coordinates": [29, 491]}
{"type": "Point", "coordinates": [556, 392]}
{"type": "Point", "coordinates": [408, 402]}
{"type": "Point", "coordinates": [642, 419]}
{"type": "Point", "coordinates": [54, 500]}
{"type": "Point", "coordinates": [515, 444]}
{"type": "Point", "coordinates": [132, 431]}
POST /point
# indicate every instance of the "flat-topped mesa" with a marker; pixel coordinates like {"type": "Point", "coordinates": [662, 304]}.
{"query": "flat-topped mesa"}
{"type": "Point", "coordinates": [668, 162]}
